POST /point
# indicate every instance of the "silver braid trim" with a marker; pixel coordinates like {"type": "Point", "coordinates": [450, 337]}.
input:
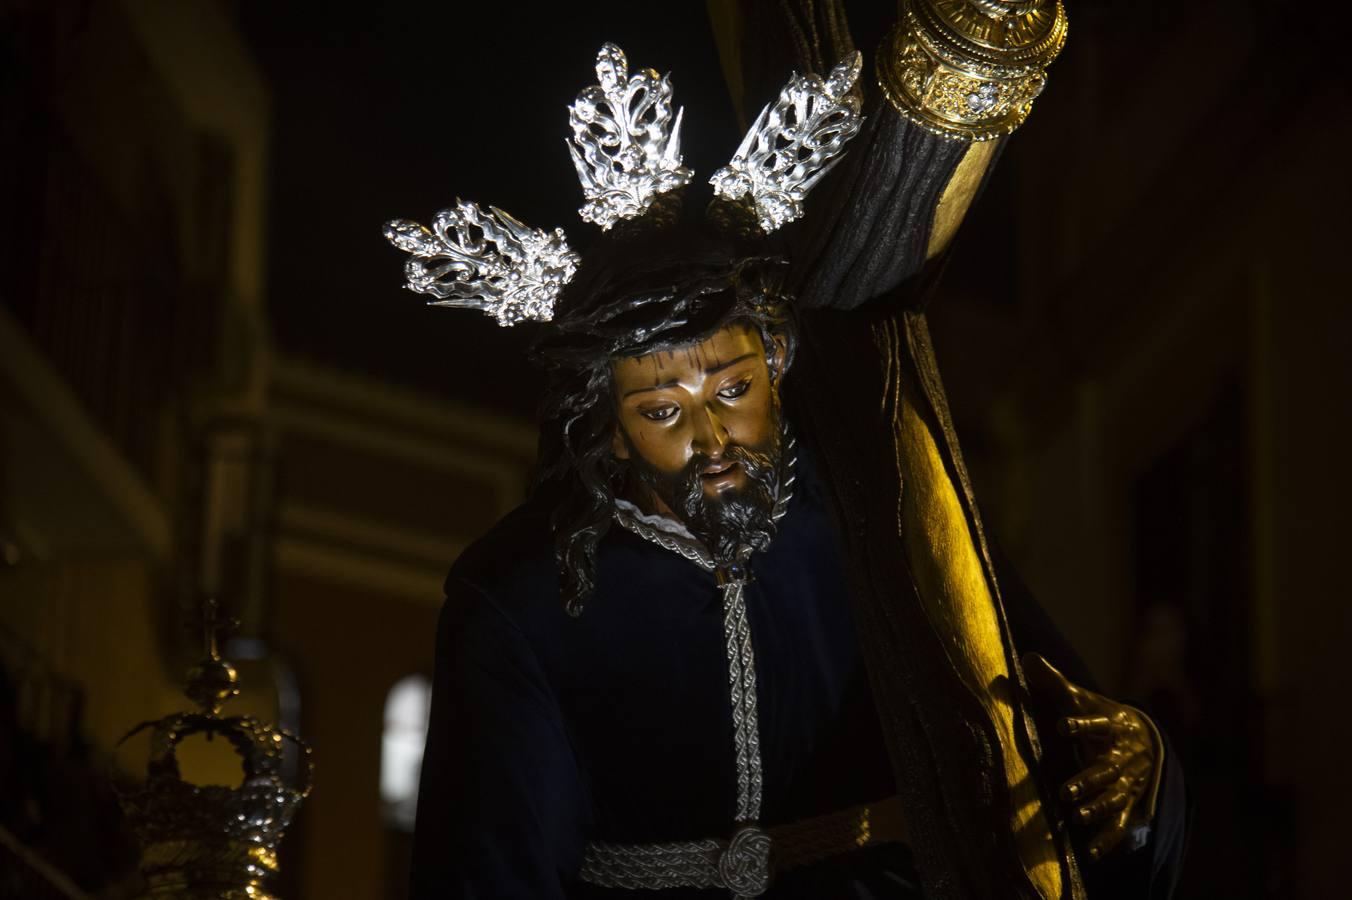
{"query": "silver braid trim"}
{"type": "Point", "coordinates": [742, 688]}
{"type": "Point", "coordinates": [666, 538]}
{"type": "Point", "coordinates": [652, 866]}
{"type": "Point", "coordinates": [741, 865]}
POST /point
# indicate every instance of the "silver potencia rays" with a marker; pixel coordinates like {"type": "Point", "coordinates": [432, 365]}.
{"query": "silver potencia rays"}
{"type": "Point", "coordinates": [626, 147]}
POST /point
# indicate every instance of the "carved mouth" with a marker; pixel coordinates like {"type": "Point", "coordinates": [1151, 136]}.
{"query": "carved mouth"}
{"type": "Point", "coordinates": [719, 471]}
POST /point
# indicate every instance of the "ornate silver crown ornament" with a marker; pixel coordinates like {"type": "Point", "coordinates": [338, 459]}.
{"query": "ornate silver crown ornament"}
{"type": "Point", "coordinates": [625, 144]}
{"type": "Point", "coordinates": [208, 842]}
{"type": "Point", "coordinates": [487, 261]}
{"type": "Point", "coordinates": [626, 147]}
{"type": "Point", "coordinates": [793, 142]}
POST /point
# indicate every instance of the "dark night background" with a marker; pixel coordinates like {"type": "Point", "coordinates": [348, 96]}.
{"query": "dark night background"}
{"type": "Point", "coordinates": [393, 112]}
{"type": "Point", "coordinates": [212, 381]}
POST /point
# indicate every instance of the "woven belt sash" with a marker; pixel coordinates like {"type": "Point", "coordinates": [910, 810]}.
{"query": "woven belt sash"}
{"type": "Point", "coordinates": [744, 864]}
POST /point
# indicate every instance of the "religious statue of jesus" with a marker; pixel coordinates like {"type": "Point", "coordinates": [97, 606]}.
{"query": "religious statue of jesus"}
{"type": "Point", "coordinates": [748, 636]}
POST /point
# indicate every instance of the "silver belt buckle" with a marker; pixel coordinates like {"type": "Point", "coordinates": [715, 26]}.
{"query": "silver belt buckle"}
{"type": "Point", "coordinates": [745, 865]}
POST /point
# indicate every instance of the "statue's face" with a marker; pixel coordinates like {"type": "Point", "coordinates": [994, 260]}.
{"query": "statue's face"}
{"type": "Point", "coordinates": [700, 429]}
{"type": "Point", "coordinates": [687, 412]}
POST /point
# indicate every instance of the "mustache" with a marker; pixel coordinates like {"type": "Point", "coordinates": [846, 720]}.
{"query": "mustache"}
{"type": "Point", "coordinates": [761, 470]}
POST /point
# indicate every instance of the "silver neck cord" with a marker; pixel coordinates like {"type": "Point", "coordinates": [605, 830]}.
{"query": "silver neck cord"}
{"type": "Point", "coordinates": [736, 629]}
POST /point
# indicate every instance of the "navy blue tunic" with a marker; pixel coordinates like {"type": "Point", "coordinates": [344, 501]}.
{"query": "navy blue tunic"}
{"type": "Point", "coordinates": [548, 731]}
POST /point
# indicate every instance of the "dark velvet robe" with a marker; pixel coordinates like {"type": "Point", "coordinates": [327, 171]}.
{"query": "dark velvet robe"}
{"type": "Point", "coordinates": [548, 731]}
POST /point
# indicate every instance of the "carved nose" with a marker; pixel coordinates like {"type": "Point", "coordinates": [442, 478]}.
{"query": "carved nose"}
{"type": "Point", "coordinates": [711, 437]}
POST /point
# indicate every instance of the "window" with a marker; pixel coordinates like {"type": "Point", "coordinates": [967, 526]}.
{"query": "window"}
{"type": "Point", "coordinates": [406, 711]}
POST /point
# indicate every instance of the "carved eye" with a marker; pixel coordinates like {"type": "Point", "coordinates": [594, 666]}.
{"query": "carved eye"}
{"type": "Point", "coordinates": [658, 415]}
{"type": "Point", "coordinates": [737, 390]}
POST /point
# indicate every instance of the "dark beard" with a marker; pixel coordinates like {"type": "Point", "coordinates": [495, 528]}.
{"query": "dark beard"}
{"type": "Point", "coordinates": [735, 524]}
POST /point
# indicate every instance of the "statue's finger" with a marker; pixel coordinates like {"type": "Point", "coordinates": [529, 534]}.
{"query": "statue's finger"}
{"type": "Point", "coordinates": [1135, 769]}
{"type": "Point", "coordinates": [1103, 842]}
{"type": "Point", "coordinates": [1103, 806]}
{"type": "Point", "coordinates": [1125, 724]}
{"type": "Point", "coordinates": [1086, 726]}
{"type": "Point", "coordinates": [1093, 779]}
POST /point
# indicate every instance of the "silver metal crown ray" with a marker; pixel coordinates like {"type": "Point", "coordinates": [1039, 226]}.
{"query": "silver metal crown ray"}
{"type": "Point", "coordinates": [626, 145]}
{"type": "Point", "coordinates": [487, 261]}
{"type": "Point", "coordinates": [793, 142]}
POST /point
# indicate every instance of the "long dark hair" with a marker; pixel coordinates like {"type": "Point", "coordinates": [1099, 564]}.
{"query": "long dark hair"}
{"type": "Point", "coordinates": [634, 295]}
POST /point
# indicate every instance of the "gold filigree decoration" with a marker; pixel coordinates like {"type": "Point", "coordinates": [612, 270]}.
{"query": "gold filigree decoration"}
{"type": "Point", "coordinates": [970, 69]}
